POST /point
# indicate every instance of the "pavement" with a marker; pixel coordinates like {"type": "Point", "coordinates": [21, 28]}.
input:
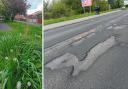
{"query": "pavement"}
{"type": "Point", "coordinates": [4, 27]}
{"type": "Point", "coordinates": [101, 42]}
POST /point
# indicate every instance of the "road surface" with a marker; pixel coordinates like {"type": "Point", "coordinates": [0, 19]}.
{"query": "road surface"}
{"type": "Point", "coordinates": [71, 48]}
{"type": "Point", "coordinates": [4, 27]}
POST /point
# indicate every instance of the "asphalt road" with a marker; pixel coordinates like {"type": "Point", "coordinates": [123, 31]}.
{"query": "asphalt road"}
{"type": "Point", "coordinates": [4, 27]}
{"type": "Point", "coordinates": [109, 71]}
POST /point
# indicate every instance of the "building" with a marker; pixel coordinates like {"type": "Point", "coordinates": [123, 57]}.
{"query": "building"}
{"type": "Point", "coordinates": [20, 17]}
{"type": "Point", "coordinates": [35, 17]}
{"type": "Point", "coordinates": [1, 18]}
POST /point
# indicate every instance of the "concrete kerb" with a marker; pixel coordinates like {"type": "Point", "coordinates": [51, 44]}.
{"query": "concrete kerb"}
{"type": "Point", "coordinates": [61, 24]}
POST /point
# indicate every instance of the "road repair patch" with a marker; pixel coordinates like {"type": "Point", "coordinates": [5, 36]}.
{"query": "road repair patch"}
{"type": "Point", "coordinates": [68, 60]}
{"type": "Point", "coordinates": [56, 50]}
{"type": "Point", "coordinates": [93, 54]}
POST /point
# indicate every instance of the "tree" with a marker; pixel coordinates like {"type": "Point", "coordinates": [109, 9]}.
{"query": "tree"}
{"type": "Point", "coordinates": [1, 7]}
{"type": "Point", "coordinates": [117, 4]}
{"type": "Point", "coordinates": [74, 5]}
{"type": "Point", "coordinates": [13, 7]}
{"type": "Point", "coordinates": [58, 10]}
{"type": "Point", "coordinates": [45, 4]}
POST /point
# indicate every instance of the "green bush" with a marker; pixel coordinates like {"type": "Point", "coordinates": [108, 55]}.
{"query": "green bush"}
{"type": "Point", "coordinates": [58, 10]}
{"type": "Point", "coordinates": [48, 15]}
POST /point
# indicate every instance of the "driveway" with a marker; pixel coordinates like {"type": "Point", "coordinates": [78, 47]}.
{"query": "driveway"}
{"type": "Point", "coordinates": [4, 26]}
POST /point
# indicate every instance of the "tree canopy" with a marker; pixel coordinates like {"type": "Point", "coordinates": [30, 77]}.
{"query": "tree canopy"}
{"type": "Point", "coordinates": [9, 8]}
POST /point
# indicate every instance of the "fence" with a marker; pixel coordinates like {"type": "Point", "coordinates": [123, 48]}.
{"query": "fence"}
{"type": "Point", "coordinates": [1, 18]}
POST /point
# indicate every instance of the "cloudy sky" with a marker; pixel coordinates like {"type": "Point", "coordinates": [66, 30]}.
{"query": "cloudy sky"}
{"type": "Point", "coordinates": [36, 5]}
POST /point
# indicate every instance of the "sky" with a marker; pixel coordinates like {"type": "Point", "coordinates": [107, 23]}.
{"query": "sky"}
{"type": "Point", "coordinates": [36, 5]}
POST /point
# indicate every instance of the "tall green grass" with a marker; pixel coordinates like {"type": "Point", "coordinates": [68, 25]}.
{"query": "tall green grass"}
{"type": "Point", "coordinates": [20, 59]}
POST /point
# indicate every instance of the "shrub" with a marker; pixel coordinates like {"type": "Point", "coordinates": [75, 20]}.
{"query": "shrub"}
{"type": "Point", "coordinates": [58, 10]}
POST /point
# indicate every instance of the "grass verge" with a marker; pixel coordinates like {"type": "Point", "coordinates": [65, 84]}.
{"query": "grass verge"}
{"type": "Point", "coordinates": [51, 21]}
{"type": "Point", "coordinates": [21, 57]}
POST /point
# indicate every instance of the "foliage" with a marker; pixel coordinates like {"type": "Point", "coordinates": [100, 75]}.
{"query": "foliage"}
{"type": "Point", "coordinates": [58, 10]}
{"type": "Point", "coordinates": [61, 8]}
{"type": "Point", "coordinates": [20, 58]}
{"type": "Point", "coordinates": [45, 4]}
{"type": "Point", "coordinates": [50, 21]}
{"type": "Point", "coordinates": [74, 5]}
{"type": "Point", "coordinates": [56, 20]}
{"type": "Point", "coordinates": [11, 9]}
{"type": "Point", "coordinates": [117, 4]}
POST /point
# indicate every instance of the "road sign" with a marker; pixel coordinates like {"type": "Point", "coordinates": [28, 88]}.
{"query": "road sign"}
{"type": "Point", "coordinates": [86, 3]}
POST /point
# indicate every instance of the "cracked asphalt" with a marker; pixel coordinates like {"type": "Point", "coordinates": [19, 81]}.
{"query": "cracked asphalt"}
{"type": "Point", "coordinates": [109, 71]}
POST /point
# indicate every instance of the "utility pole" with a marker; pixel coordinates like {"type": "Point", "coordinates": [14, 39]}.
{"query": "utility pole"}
{"type": "Point", "coordinates": [84, 9]}
{"type": "Point", "coordinates": [90, 9]}
{"type": "Point", "coordinates": [109, 7]}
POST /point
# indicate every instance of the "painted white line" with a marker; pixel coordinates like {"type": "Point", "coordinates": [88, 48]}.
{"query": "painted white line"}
{"type": "Point", "coordinates": [93, 55]}
{"type": "Point", "coordinates": [66, 60]}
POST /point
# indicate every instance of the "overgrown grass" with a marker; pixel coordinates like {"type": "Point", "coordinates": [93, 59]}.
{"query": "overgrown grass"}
{"type": "Point", "coordinates": [51, 21]}
{"type": "Point", "coordinates": [21, 57]}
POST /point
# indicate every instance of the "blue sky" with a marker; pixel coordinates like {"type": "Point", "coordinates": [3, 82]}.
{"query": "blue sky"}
{"type": "Point", "coordinates": [36, 5]}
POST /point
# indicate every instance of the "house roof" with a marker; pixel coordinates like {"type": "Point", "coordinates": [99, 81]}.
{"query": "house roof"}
{"type": "Point", "coordinates": [36, 13]}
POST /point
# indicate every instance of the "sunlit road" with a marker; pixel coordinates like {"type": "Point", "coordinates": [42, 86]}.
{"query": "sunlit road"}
{"type": "Point", "coordinates": [109, 71]}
